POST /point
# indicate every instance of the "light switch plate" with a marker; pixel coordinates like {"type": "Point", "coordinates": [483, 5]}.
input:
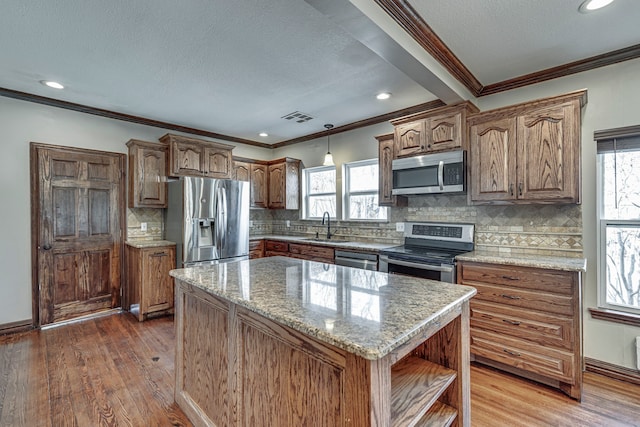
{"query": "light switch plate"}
{"type": "Point", "coordinates": [399, 226]}
{"type": "Point", "coordinates": [143, 226]}
{"type": "Point", "coordinates": [288, 223]}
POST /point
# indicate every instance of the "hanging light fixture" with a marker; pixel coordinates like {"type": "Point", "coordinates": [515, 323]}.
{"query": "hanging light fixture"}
{"type": "Point", "coordinates": [328, 158]}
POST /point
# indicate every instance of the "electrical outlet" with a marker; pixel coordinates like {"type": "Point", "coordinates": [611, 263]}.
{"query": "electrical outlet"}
{"type": "Point", "coordinates": [399, 226]}
{"type": "Point", "coordinates": [143, 226]}
{"type": "Point", "coordinates": [288, 223]}
{"type": "Point", "coordinates": [250, 223]}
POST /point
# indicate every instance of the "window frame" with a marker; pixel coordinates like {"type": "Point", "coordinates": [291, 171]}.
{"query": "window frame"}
{"type": "Point", "coordinates": [305, 190]}
{"type": "Point", "coordinates": [603, 224]}
{"type": "Point", "coordinates": [346, 194]}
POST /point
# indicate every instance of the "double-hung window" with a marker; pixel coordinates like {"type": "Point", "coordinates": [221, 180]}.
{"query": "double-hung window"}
{"type": "Point", "coordinates": [619, 221]}
{"type": "Point", "coordinates": [319, 191]}
{"type": "Point", "coordinates": [360, 191]}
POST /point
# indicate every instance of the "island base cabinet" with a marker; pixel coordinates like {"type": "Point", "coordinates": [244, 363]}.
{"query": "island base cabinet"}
{"type": "Point", "coordinates": [235, 367]}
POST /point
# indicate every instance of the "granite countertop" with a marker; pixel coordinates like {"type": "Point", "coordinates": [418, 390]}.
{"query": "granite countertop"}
{"type": "Point", "coordinates": [340, 242]}
{"type": "Point", "coordinates": [553, 263]}
{"type": "Point", "coordinates": [141, 244]}
{"type": "Point", "coordinates": [367, 313]}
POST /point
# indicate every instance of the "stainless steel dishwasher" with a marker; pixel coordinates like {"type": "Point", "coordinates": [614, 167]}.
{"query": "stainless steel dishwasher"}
{"type": "Point", "coordinates": [365, 260]}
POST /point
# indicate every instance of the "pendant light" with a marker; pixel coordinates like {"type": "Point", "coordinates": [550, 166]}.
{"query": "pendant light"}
{"type": "Point", "coordinates": [328, 158]}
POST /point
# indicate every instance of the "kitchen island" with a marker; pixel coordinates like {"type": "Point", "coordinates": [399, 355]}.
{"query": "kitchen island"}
{"type": "Point", "coordinates": [287, 342]}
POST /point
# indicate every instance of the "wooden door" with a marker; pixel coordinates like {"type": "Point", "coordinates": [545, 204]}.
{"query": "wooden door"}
{"type": "Point", "coordinates": [217, 163]}
{"type": "Point", "coordinates": [157, 285]}
{"type": "Point", "coordinates": [493, 161]}
{"type": "Point", "coordinates": [186, 158]}
{"type": "Point", "coordinates": [147, 174]}
{"type": "Point", "coordinates": [77, 222]}
{"type": "Point", "coordinates": [547, 155]}
{"type": "Point", "coordinates": [259, 189]}
{"type": "Point", "coordinates": [241, 171]}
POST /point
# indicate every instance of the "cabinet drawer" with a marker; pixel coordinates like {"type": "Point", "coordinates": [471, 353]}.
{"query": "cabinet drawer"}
{"type": "Point", "coordinates": [556, 364]}
{"type": "Point", "coordinates": [311, 251]}
{"type": "Point", "coordinates": [535, 300]}
{"type": "Point", "coordinates": [275, 253]}
{"type": "Point", "coordinates": [560, 282]}
{"type": "Point", "coordinates": [544, 329]}
{"type": "Point", "coordinates": [271, 245]}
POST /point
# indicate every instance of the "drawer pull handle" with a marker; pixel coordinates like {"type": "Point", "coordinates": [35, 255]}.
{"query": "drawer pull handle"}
{"type": "Point", "coordinates": [512, 353]}
{"type": "Point", "coordinates": [511, 322]}
{"type": "Point", "coordinates": [159, 254]}
{"type": "Point", "coordinates": [510, 296]}
{"type": "Point", "coordinates": [510, 278]}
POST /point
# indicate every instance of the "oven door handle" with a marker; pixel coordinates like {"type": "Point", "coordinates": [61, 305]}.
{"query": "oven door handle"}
{"type": "Point", "coordinates": [430, 267]}
{"type": "Point", "coordinates": [441, 175]}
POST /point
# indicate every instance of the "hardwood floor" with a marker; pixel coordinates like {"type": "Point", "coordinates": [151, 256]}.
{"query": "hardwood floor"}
{"type": "Point", "coordinates": [115, 371]}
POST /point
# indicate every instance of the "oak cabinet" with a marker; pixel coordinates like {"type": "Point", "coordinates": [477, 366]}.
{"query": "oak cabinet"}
{"type": "Point", "coordinates": [385, 173]}
{"type": "Point", "coordinates": [259, 185]}
{"type": "Point", "coordinates": [324, 254]}
{"type": "Point", "coordinates": [441, 129]}
{"type": "Point", "coordinates": [256, 249]}
{"type": "Point", "coordinates": [284, 184]}
{"type": "Point", "coordinates": [147, 174]}
{"type": "Point", "coordinates": [149, 288]}
{"type": "Point", "coordinates": [527, 153]}
{"type": "Point", "coordinates": [529, 319]}
{"type": "Point", "coordinates": [241, 171]}
{"type": "Point", "coordinates": [276, 248]}
{"type": "Point", "coordinates": [196, 157]}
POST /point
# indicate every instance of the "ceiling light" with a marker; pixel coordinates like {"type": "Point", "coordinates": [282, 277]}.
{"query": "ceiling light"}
{"type": "Point", "coordinates": [591, 5]}
{"type": "Point", "coordinates": [52, 84]}
{"type": "Point", "coordinates": [383, 95]}
{"type": "Point", "coordinates": [328, 158]}
{"type": "Point", "coordinates": [263, 134]}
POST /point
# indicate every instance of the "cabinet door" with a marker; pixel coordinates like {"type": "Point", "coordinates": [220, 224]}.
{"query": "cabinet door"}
{"type": "Point", "coordinates": [157, 285]}
{"type": "Point", "coordinates": [187, 158]}
{"type": "Point", "coordinates": [410, 138]}
{"type": "Point", "coordinates": [259, 189]}
{"type": "Point", "coordinates": [444, 132]}
{"type": "Point", "coordinates": [217, 163]}
{"type": "Point", "coordinates": [548, 154]}
{"type": "Point", "coordinates": [493, 161]}
{"type": "Point", "coordinates": [385, 173]}
{"type": "Point", "coordinates": [147, 175]}
{"type": "Point", "coordinates": [277, 190]}
{"type": "Point", "coordinates": [241, 171]}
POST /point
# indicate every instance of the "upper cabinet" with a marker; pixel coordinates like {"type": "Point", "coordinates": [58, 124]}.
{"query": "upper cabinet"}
{"type": "Point", "coordinates": [284, 183]}
{"type": "Point", "coordinates": [440, 129]}
{"type": "Point", "coordinates": [241, 170]}
{"type": "Point", "coordinates": [256, 173]}
{"type": "Point", "coordinates": [196, 157]}
{"type": "Point", "coordinates": [147, 174]}
{"type": "Point", "coordinates": [527, 153]}
{"type": "Point", "coordinates": [386, 154]}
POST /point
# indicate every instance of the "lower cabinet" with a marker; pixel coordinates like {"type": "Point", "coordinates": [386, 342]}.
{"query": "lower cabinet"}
{"type": "Point", "coordinates": [300, 250]}
{"type": "Point", "coordinates": [149, 288]}
{"type": "Point", "coordinates": [256, 249]}
{"type": "Point", "coordinates": [528, 319]}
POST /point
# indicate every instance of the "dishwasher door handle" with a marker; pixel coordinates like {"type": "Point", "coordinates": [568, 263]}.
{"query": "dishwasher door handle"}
{"type": "Point", "coordinates": [357, 263]}
{"type": "Point", "coordinates": [421, 266]}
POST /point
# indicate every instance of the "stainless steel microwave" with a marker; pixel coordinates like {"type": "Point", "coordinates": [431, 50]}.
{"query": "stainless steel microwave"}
{"type": "Point", "coordinates": [430, 173]}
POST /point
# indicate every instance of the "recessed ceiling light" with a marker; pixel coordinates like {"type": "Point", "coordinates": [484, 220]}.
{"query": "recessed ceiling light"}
{"type": "Point", "coordinates": [263, 134]}
{"type": "Point", "coordinates": [383, 95]}
{"type": "Point", "coordinates": [52, 84]}
{"type": "Point", "coordinates": [591, 5]}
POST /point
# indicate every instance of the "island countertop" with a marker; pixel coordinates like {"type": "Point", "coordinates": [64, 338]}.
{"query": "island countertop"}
{"type": "Point", "coordinates": [367, 313]}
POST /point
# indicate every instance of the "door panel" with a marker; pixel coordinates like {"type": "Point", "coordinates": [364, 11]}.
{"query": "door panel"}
{"type": "Point", "coordinates": [77, 221]}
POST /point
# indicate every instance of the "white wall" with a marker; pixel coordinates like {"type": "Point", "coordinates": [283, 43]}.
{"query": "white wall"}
{"type": "Point", "coordinates": [20, 123]}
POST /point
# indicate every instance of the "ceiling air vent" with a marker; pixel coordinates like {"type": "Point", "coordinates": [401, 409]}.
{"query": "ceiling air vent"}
{"type": "Point", "coordinates": [298, 117]}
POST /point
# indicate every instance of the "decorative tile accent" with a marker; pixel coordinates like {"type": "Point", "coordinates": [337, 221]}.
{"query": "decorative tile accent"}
{"type": "Point", "coordinates": [155, 223]}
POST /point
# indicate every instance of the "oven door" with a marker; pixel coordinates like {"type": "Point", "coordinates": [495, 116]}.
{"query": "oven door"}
{"type": "Point", "coordinates": [441, 272]}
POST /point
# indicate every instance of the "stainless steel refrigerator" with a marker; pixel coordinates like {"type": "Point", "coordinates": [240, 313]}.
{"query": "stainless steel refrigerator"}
{"type": "Point", "coordinates": [208, 219]}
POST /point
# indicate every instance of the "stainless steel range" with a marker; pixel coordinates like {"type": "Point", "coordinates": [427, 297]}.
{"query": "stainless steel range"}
{"type": "Point", "coordinates": [429, 250]}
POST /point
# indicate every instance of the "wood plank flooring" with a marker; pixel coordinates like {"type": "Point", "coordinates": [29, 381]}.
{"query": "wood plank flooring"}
{"type": "Point", "coordinates": [115, 371]}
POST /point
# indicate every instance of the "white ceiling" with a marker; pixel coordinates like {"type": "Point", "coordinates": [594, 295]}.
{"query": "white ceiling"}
{"type": "Point", "coordinates": [237, 67]}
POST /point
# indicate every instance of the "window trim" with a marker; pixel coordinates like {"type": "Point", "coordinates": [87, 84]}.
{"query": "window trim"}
{"type": "Point", "coordinates": [305, 190]}
{"type": "Point", "coordinates": [601, 260]}
{"type": "Point", "coordinates": [346, 194]}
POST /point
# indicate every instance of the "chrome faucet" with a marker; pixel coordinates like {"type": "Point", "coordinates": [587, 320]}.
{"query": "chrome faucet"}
{"type": "Point", "coordinates": [328, 217]}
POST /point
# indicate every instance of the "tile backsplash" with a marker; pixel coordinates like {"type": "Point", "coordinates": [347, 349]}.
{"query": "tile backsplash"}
{"type": "Point", "coordinates": [552, 230]}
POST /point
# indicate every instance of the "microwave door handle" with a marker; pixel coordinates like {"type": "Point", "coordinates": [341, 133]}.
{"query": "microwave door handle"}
{"type": "Point", "coordinates": [441, 175]}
